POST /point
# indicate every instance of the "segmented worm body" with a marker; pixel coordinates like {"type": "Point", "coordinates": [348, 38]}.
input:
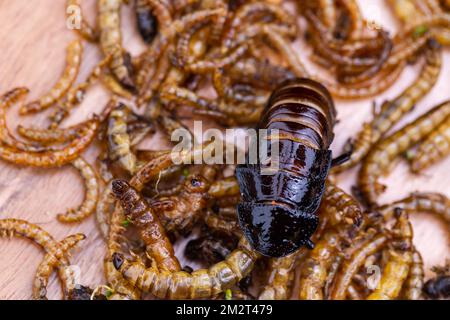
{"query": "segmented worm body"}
{"type": "Point", "coordinates": [381, 157]}
{"type": "Point", "coordinates": [202, 283]}
{"type": "Point", "coordinates": [111, 41]}
{"type": "Point", "coordinates": [56, 157]}
{"type": "Point", "coordinates": [152, 232]}
{"type": "Point", "coordinates": [393, 111]}
{"type": "Point", "coordinates": [59, 90]}
{"type": "Point", "coordinates": [434, 148]}
{"type": "Point", "coordinates": [57, 260]}
{"type": "Point", "coordinates": [91, 194]}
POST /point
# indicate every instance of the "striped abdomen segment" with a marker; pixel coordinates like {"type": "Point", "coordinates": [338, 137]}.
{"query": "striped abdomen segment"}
{"type": "Point", "coordinates": [278, 208]}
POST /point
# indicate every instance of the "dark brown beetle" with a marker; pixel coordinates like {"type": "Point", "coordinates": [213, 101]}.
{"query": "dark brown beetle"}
{"type": "Point", "coordinates": [278, 210]}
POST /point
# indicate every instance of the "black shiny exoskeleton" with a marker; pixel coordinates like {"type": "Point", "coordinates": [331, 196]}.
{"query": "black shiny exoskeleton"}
{"type": "Point", "coordinates": [278, 210]}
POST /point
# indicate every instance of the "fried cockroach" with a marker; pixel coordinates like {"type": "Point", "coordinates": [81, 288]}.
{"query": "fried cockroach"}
{"type": "Point", "coordinates": [393, 111]}
{"type": "Point", "coordinates": [146, 21]}
{"type": "Point", "coordinates": [439, 287]}
{"type": "Point", "coordinates": [380, 158]}
{"type": "Point", "coordinates": [111, 41]}
{"type": "Point", "coordinates": [118, 139]}
{"type": "Point", "coordinates": [152, 232]}
{"type": "Point", "coordinates": [91, 195]}
{"type": "Point", "coordinates": [202, 283]}
{"type": "Point", "coordinates": [57, 260]}
{"type": "Point", "coordinates": [74, 54]}
{"type": "Point", "coordinates": [303, 112]}
{"type": "Point", "coordinates": [56, 157]}
{"type": "Point", "coordinates": [434, 148]}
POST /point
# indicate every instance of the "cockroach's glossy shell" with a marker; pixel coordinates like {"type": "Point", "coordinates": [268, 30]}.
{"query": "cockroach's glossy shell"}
{"type": "Point", "coordinates": [278, 210]}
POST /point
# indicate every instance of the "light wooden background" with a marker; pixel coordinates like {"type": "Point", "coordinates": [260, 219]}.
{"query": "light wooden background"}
{"type": "Point", "coordinates": [33, 39]}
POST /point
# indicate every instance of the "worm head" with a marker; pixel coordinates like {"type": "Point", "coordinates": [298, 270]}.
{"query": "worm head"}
{"type": "Point", "coordinates": [276, 230]}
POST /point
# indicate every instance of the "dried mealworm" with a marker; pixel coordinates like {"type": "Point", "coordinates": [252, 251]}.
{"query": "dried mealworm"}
{"type": "Point", "coordinates": [435, 203]}
{"type": "Point", "coordinates": [381, 157]}
{"type": "Point", "coordinates": [111, 41]}
{"type": "Point", "coordinates": [393, 111]}
{"type": "Point", "coordinates": [91, 194]}
{"type": "Point", "coordinates": [59, 90]}
{"type": "Point", "coordinates": [202, 283]}
{"type": "Point", "coordinates": [54, 260]}
{"type": "Point", "coordinates": [434, 148]}
{"type": "Point", "coordinates": [349, 267]}
{"type": "Point", "coordinates": [119, 144]}
{"type": "Point", "coordinates": [414, 283]}
{"type": "Point", "coordinates": [53, 158]}
{"type": "Point", "coordinates": [152, 232]}
{"type": "Point", "coordinates": [84, 29]}
{"type": "Point", "coordinates": [6, 138]}
{"type": "Point", "coordinates": [397, 267]}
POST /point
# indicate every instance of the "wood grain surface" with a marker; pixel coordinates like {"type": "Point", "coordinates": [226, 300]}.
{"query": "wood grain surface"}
{"type": "Point", "coordinates": [33, 41]}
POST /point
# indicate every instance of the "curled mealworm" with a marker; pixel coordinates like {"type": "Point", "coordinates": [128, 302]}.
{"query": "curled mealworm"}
{"type": "Point", "coordinates": [54, 260]}
{"type": "Point", "coordinates": [202, 283]}
{"type": "Point", "coordinates": [435, 203]}
{"type": "Point", "coordinates": [434, 148]}
{"type": "Point", "coordinates": [349, 267]}
{"type": "Point", "coordinates": [414, 283]}
{"type": "Point", "coordinates": [119, 144]}
{"type": "Point", "coordinates": [91, 194]}
{"type": "Point", "coordinates": [111, 41]}
{"type": "Point", "coordinates": [397, 267]}
{"type": "Point", "coordinates": [6, 138]}
{"type": "Point", "coordinates": [56, 157]}
{"type": "Point", "coordinates": [59, 90]}
{"type": "Point", "coordinates": [151, 231]}
{"type": "Point", "coordinates": [381, 157]}
{"type": "Point", "coordinates": [393, 111]}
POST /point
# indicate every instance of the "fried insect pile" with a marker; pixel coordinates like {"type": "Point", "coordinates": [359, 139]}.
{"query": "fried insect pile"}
{"type": "Point", "coordinates": [237, 64]}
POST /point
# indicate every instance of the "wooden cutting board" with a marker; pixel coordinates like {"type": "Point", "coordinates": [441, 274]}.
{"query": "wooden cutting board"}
{"type": "Point", "coordinates": [33, 41]}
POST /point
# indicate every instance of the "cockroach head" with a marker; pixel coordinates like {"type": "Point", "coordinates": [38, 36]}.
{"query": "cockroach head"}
{"type": "Point", "coordinates": [119, 187]}
{"type": "Point", "coordinates": [276, 230]}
